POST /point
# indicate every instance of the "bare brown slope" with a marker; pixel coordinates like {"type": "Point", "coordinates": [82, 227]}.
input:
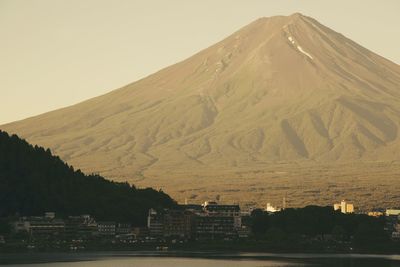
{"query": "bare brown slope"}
{"type": "Point", "coordinates": [282, 90]}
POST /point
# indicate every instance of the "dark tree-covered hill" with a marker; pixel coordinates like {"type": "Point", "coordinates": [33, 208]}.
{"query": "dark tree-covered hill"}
{"type": "Point", "coordinates": [33, 181]}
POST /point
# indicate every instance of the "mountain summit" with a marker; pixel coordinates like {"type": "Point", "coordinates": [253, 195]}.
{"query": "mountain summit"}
{"type": "Point", "coordinates": [284, 105]}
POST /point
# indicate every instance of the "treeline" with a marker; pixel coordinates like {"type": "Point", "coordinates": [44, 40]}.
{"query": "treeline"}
{"type": "Point", "coordinates": [33, 181]}
{"type": "Point", "coordinates": [314, 224]}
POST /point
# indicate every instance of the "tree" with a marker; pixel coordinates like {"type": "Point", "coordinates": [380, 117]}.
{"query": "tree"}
{"type": "Point", "coordinates": [33, 181]}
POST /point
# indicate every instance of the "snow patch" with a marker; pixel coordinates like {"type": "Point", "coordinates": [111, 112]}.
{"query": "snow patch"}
{"type": "Point", "coordinates": [304, 52]}
{"type": "Point", "coordinates": [290, 38]}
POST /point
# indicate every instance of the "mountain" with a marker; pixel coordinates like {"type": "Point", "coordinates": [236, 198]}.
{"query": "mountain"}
{"type": "Point", "coordinates": [34, 181]}
{"type": "Point", "coordinates": [283, 106]}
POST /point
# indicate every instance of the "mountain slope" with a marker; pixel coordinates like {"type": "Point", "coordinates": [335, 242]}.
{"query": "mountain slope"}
{"type": "Point", "coordinates": [33, 182]}
{"type": "Point", "coordinates": [280, 90]}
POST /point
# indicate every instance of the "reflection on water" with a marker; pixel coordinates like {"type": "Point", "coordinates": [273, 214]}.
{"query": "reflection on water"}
{"type": "Point", "coordinates": [168, 262]}
{"type": "Point", "coordinates": [198, 260]}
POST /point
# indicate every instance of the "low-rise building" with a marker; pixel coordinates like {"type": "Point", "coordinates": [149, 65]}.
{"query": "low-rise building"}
{"type": "Point", "coordinates": [193, 208]}
{"type": "Point", "coordinates": [396, 230]}
{"type": "Point", "coordinates": [393, 222]}
{"type": "Point", "coordinates": [271, 209]}
{"type": "Point", "coordinates": [392, 212]}
{"type": "Point", "coordinates": [50, 215]}
{"type": "Point", "coordinates": [140, 232]}
{"type": "Point", "coordinates": [46, 227]}
{"type": "Point", "coordinates": [244, 232]}
{"type": "Point", "coordinates": [83, 226]}
{"type": "Point", "coordinates": [107, 228]}
{"type": "Point", "coordinates": [375, 213]}
{"type": "Point", "coordinates": [395, 235]}
{"type": "Point", "coordinates": [124, 229]}
{"type": "Point", "coordinates": [40, 226]}
{"type": "Point", "coordinates": [22, 225]}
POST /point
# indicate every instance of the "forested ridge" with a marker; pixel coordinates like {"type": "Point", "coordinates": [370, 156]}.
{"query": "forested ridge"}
{"type": "Point", "coordinates": [295, 227]}
{"type": "Point", "coordinates": [33, 181]}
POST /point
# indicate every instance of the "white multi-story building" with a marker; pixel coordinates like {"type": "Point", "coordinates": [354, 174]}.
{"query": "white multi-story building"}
{"type": "Point", "coordinates": [392, 212]}
{"type": "Point", "coordinates": [344, 207]}
{"type": "Point", "coordinates": [271, 209]}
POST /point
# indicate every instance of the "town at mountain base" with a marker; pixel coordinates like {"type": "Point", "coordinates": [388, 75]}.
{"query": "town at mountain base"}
{"type": "Point", "coordinates": [284, 106]}
{"type": "Point", "coordinates": [90, 213]}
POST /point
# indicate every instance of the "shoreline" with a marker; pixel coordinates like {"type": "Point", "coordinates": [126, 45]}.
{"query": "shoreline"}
{"type": "Point", "coordinates": [54, 257]}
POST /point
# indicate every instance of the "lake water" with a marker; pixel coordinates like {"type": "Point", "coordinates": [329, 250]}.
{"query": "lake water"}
{"type": "Point", "coordinates": [196, 260]}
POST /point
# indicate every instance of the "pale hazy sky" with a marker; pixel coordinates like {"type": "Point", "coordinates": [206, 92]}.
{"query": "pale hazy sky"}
{"type": "Point", "coordinates": [54, 53]}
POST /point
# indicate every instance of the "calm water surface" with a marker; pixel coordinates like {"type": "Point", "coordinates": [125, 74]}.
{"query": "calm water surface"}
{"type": "Point", "coordinates": [197, 260]}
